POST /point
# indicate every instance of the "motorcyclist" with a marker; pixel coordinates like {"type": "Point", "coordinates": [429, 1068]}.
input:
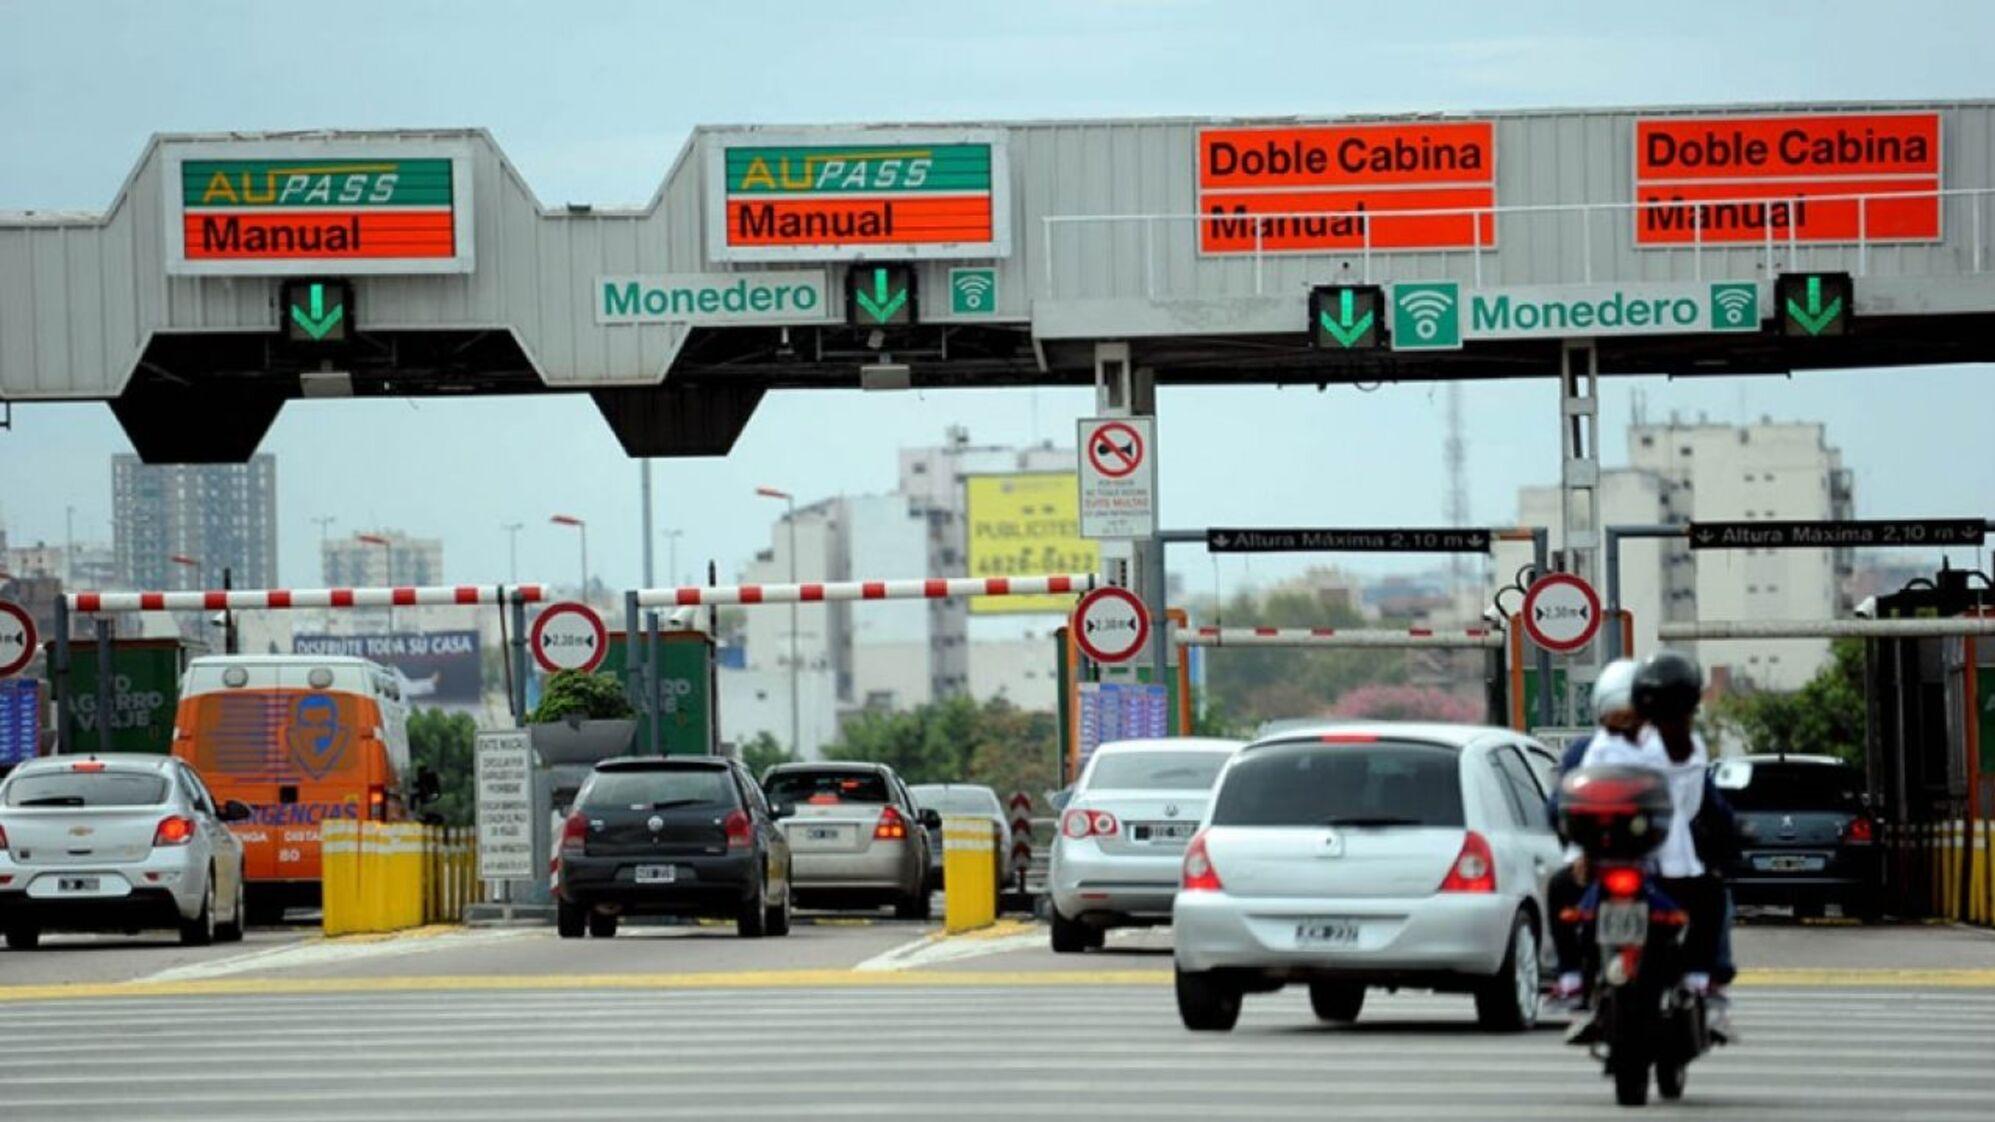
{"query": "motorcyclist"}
{"type": "Point", "coordinates": [1615, 717]}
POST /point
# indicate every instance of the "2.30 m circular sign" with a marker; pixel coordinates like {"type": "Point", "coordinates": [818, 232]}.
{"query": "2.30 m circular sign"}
{"type": "Point", "coordinates": [1561, 612]}
{"type": "Point", "coordinates": [1111, 625]}
{"type": "Point", "coordinates": [568, 636]}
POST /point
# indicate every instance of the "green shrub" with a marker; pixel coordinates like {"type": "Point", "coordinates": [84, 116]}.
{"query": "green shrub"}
{"type": "Point", "coordinates": [572, 693]}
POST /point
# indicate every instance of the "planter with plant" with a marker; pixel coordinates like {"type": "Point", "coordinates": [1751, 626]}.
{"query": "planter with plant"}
{"type": "Point", "coordinates": [582, 718]}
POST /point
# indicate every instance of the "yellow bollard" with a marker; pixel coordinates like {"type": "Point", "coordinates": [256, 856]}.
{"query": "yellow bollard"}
{"type": "Point", "coordinates": [969, 871]}
{"type": "Point", "coordinates": [340, 877]}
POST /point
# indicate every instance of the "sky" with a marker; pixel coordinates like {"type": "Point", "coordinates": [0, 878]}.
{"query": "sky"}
{"type": "Point", "coordinates": [593, 101]}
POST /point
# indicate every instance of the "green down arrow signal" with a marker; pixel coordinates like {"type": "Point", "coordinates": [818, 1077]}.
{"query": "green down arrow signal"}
{"type": "Point", "coordinates": [320, 322]}
{"type": "Point", "coordinates": [1817, 317]}
{"type": "Point", "coordinates": [1343, 329]}
{"type": "Point", "coordinates": [879, 305]}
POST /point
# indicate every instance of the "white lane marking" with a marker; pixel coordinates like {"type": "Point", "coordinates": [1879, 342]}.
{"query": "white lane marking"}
{"type": "Point", "coordinates": [932, 949]}
{"type": "Point", "coordinates": [330, 952]}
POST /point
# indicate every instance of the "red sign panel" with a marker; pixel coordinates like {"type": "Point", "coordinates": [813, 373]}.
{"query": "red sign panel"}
{"type": "Point", "coordinates": [1341, 188]}
{"type": "Point", "coordinates": [1827, 178]}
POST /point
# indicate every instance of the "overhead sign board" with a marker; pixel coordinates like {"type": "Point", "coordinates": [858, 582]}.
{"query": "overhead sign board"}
{"type": "Point", "coordinates": [859, 195]}
{"type": "Point", "coordinates": [1111, 625]}
{"type": "Point", "coordinates": [503, 771]}
{"type": "Point", "coordinates": [1806, 178]}
{"type": "Point", "coordinates": [1022, 525]}
{"type": "Point", "coordinates": [1118, 477]}
{"type": "Point", "coordinates": [290, 209]}
{"type": "Point", "coordinates": [1413, 185]}
{"type": "Point", "coordinates": [17, 638]}
{"type": "Point", "coordinates": [568, 636]}
{"type": "Point", "coordinates": [717, 299]}
{"type": "Point", "coordinates": [1930, 532]}
{"type": "Point", "coordinates": [1218, 540]}
{"type": "Point", "coordinates": [1561, 612]}
{"type": "Point", "coordinates": [1441, 315]}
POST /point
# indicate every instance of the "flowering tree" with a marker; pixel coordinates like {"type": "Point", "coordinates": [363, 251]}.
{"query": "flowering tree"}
{"type": "Point", "coordinates": [1409, 703]}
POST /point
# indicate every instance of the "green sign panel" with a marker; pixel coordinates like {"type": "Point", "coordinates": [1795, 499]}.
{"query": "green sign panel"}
{"type": "Point", "coordinates": [1427, 316]}
{"type": "Point", "coordinates": [1560, 688]}
{"type": "Point", "coordinates": [685, 711]}
{"type": "Point", "coordinates": [145, 689]}
{"type": "Point", "coordinates": [340, 184]}
{"type": "Point", "coordinates": [860, 170]}
{"type": "Point", "coordinates": [973, 292]}
{"type": "Point", "coordinates": [316, 311]}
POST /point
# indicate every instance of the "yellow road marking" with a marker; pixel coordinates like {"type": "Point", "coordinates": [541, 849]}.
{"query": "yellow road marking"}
{"type": "Point", "coordinates": [834, 979]}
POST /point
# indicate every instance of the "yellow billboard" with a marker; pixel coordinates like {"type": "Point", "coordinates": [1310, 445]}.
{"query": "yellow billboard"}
{"type": "Point", "coordinates": [1022, 525]}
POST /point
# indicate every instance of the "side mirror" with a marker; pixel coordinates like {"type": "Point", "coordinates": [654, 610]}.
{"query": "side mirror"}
{"type": "Point", "coordinates": [235, 810]}
{"type": "Point", "coordinates": [1058, 799]}
{"type": "Point", "coordinates": [783, 810]}
{"type": "Point", "coordinates": [931, 820]}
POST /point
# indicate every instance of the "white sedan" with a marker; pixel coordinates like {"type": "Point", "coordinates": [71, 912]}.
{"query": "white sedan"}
{"type": "Point", "coordinates": [1358, 855]}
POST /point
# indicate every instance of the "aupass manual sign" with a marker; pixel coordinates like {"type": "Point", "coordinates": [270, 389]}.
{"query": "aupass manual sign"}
{"type": "Point", "coordinates": [1441, 315]}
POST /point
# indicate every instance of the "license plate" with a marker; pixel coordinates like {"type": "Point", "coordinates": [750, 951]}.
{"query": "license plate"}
{"type": "Point", "coordinates": [1622, 925]}
{"type": "Point", "coordinates": [657, 874]}
{"type": "Point", "coordinates": [1326, 933]}
{"type": "Point", "coordinates": [1789, 864]}
{"type": "Point", "coordinates": [822, 833]}
{"type": "Point", "coordinates": [77, 884]}
{"type": "Point", "coordinates": [1163, 831]}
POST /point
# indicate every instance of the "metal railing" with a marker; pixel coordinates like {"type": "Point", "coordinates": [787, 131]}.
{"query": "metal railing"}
{"type": "Point", "coordinates": [1769, 245]}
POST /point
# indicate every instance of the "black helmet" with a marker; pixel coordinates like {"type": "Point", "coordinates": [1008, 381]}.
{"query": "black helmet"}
{"type": "Point", "coordinates": [1668, 684]}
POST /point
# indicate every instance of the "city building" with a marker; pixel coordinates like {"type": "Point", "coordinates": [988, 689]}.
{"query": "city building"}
{"type": "Point", "coordinates": [184, 525]}
{"type": "Point", "coordinates": [380, 559]}
{"type": "Point", "coordinates": [1703, 472]}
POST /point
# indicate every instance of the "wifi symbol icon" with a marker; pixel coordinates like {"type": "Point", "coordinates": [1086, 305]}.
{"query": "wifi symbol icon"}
{"type": "Point", "coordinates": [973, 292]}
{"type": "Point", "coordinates": [1735, 306]}
{"type": "Point", "coordinates": [1427, 316]}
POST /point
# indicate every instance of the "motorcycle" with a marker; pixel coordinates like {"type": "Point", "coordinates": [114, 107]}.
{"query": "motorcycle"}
{"type": "Point", "coordinates": [1644, 1017]}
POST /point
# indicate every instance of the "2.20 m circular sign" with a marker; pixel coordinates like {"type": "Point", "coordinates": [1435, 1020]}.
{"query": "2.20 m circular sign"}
{"type": "Point", "coordinates": [1111, 625]}
{"type": "Point", "coordinates": [568, 636]}
{"type": "Point", "coordinates": [17, 639]}
{"type": "Point", "coordinates": [1561, 612]}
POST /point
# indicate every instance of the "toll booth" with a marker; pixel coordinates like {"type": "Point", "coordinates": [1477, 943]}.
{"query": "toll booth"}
{"type": "Point", "coordinates": [1930, 764]}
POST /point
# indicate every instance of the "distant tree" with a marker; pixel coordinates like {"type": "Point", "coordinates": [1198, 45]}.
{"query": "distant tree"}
{"type": "Point", "coordinates": [764, 752]}
{"type": "Point", "coordinates": [446, 743]}
{"type": "Point", "coordinates": [1249, 685]}
{"type": "Point", "coordinates": [1824, 717]}
{"type": "Point", "coordinates": [955, 740]}
{"type": "Point", "coordinates": [1409, 703]}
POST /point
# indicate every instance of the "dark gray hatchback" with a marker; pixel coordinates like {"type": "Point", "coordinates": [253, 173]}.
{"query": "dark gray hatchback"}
{"type": "Point", "coordinates": [1807, 837]}
{"type": "Point", "coordinates": [692, 837]}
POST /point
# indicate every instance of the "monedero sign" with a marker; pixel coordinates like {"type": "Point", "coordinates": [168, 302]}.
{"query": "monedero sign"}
{"type": "Point", "coordinates": [1441, 315]}
{"type": "Point", "coordinates": [301, 207]}
{"type": "Point", "coordinates": [714, 298]}
{"type": "Point", "coordinates": [844, 195]}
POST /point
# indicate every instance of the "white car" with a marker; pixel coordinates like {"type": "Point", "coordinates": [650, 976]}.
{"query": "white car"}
{"type": "Point", "coordinates": [1123, 832]}
{"type": "Point", "coordinates": [1374, 854]}
{"type": "Point", "coordinates": [117, 843]}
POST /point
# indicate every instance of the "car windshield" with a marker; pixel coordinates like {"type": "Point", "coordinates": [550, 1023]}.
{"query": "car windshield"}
{"type": "Point", "coordinates": [1382, 784]}
{"type": "Point", "coordinates": [956, 800]}
{"type": "Point", "coordinates": [656, 788]}
{"type": "Point", "coordinates": [1175, 770]}
{"type": "Point", "coordinates": [821, 788]}
{"type": "Point", "coordinates": [87, 788]}
{"type": "Point", "coordinates": [1789, 786]}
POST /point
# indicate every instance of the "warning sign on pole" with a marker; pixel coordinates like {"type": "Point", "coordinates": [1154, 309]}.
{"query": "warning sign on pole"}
{"type": "Point", "coordinates": [17, 639]}
{"type": "Point", "coordinates": [1111, 625]}
{"type": "Point", "coordinates": [1561, 612]}
{"type": "Point", "coordinates": [1118, 470]}
{"type": "Point", "coordinates": [568, 636]}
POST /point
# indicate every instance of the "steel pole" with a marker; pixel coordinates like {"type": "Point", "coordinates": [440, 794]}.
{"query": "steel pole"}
{"type": "Point", "coordinates": [644, 520]}
{"type": "Point", "coordinates": [651, 678]}
{"type": "Point", "coordinates": [1541, 553]}
{"type": "Point", "coordinates": [59, 674]}
{"type": "Point", "coordinates": [796, 663]}
{"type": "Point", "coordinates": [519, 659]}
{"type": "Point", "coordinates": [103, 684]}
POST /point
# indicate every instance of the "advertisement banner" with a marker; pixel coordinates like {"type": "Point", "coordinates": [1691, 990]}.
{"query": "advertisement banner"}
{"type": "Point", "coordinates": [1025, 524]}
{"type": "Point", "coordinates": [443, 667]}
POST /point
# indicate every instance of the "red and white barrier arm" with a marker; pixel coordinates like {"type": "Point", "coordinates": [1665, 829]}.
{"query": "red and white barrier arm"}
{"type": "Point", "coordinates": [934, 588]}
{"type": "Point", "coordinates": [250, 599]}
{"type": "Point", "coordinates": [1455, 638]}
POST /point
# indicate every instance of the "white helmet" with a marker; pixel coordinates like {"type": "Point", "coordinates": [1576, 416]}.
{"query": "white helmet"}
{"type": "Point", "coordinates": [1614, 690]}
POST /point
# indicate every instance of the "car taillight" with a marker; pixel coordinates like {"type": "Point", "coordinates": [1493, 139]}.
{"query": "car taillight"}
{"type": "Point", "coordinates": [891, 826]}
{"type": "Point", "coordinates": [574, 834]}
{"type": "Point", "coordinates": [1199, 875]}
{"type": "Point", "coordinates": [173, 830]}
{"type": "Point", "coordinates": [740, 831]}
{"type": "Point", "coordinates": [1078, 824]}
{"type": "Point", "coordinates": [1860, 832]}
{"type": "Point", "coordinates": [1474, 869]}
{"type": "Point", "coordinates": [1622, 883]}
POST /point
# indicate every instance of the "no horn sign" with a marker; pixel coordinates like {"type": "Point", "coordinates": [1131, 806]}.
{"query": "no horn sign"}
{"type": "Point", "coordinates": [1118, 477]}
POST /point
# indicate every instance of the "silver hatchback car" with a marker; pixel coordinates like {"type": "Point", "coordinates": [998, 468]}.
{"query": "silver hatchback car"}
{"type": "Point", "coordinates": [1387, 854]}
{"type": "Point", "coordinates": [117, 843]}
{"type": "Point", "coordinates": [1123, 833]}
{"type": "Point", "coordinates": [857, 838]}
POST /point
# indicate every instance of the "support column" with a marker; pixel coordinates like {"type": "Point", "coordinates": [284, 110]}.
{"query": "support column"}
{"type": "Point", "coordinates": [1579, 494]}
{"type": "Point", "coordinates": [518, 655]}
{"type": "Point", "coordinates": [1122, 390]}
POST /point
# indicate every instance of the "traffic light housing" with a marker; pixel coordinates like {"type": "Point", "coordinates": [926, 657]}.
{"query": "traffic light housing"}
{"type": "Point", "coordinates": [1347, 317]}
{"type": "Point", "coordinates": [315, 311]}
{"type": "Point", "coordinates": [1814, 305]}
{"type": "Point", "coordinates": [879, 295]}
